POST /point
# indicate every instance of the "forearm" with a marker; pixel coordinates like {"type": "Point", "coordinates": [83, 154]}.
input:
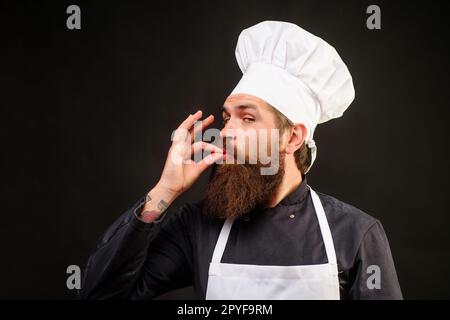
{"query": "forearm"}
{"type": "Point", "coordinates": [157, 200]}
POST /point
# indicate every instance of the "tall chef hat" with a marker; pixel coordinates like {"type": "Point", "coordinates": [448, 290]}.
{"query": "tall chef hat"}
{"type": "Point", "coordinates": [296, 72]}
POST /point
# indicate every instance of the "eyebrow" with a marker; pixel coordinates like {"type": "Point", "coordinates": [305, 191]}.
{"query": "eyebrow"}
{"type": "Point", "coordinates": [240, 107]}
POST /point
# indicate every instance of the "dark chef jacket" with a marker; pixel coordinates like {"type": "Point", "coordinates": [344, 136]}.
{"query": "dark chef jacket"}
{"type": "Point", "coordinates": [138, 260]}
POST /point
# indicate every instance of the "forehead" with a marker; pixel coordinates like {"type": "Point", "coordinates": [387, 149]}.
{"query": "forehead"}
{"type": "Point", "coordinates": [239, 100]}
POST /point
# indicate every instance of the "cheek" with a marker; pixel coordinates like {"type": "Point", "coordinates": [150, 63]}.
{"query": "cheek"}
{"type": "Point", "coordinates": [264, 144]}
{"type": "Point", "coordinates": [272, 141]}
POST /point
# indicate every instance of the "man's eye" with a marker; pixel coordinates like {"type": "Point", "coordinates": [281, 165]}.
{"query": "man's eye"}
{"type": "Point", "coordinates": [225, 120]}
{"type": "Point", "coordinates": [249, 119]}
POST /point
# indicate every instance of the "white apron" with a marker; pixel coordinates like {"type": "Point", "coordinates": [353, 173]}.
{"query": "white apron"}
{"type": "Point", "coordinates": [228, 281]}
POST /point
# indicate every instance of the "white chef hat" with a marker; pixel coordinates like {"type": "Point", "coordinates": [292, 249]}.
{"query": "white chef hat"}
{"type": "Point", "coordinates": [296, 72]}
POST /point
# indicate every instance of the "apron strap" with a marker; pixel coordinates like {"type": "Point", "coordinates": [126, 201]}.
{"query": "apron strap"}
{"type": "Point", "coordinates": [324, 227]}
{"type": "Point", "coordinates": [222, 241]}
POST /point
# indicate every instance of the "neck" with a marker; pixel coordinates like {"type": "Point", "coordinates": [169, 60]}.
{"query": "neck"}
{"type": "Point", "coordinates": [291, 180]}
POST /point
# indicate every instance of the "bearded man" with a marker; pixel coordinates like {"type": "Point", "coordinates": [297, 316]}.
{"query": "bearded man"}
{"type": "Point", "coordinates": [256, 234]}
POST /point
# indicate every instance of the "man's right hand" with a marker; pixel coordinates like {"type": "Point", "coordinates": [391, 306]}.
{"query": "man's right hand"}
{"type": "Point", "coordinates": [180, 172]}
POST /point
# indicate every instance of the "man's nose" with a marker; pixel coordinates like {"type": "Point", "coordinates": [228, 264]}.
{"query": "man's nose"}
{"type": "Point", "coordinates": [233, 126]}
{"type": "Point", "coordinates": [227, 134]}
{"type": "Point", "coordinates": [227, 131]}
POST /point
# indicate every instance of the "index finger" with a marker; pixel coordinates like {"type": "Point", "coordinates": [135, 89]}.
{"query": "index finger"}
{"type": "Point", "coordinates": [189, 121]}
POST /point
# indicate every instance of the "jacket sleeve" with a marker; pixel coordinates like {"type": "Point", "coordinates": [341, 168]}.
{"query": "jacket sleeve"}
{"type": "Point", "coordinates": [138, 260]}
{"type": "Point", "coordinates": [374, 275]}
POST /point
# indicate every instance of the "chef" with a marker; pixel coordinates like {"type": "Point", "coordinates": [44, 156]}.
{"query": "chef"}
{"type": "Point", "coordinates": [253, 235]}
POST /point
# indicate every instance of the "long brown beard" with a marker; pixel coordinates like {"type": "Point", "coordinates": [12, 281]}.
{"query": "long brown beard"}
{"type": "Point", "coordinates": [236, 189]}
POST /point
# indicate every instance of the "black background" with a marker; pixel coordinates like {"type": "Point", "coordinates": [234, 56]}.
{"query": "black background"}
{"type": "Point", "coordinates": [86, 118]}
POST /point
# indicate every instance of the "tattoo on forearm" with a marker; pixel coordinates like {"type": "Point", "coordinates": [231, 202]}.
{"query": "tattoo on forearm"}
{"type": "Point", "coordinates": [162, 205]}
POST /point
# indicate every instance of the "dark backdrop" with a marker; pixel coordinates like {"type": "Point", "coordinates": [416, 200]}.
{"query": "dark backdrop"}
{"type": "Point", "coordinates": [87, 117]}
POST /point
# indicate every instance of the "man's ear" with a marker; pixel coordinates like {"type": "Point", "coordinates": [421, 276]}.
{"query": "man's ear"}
{"type": "Point", "coordinates": [296, 138]}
